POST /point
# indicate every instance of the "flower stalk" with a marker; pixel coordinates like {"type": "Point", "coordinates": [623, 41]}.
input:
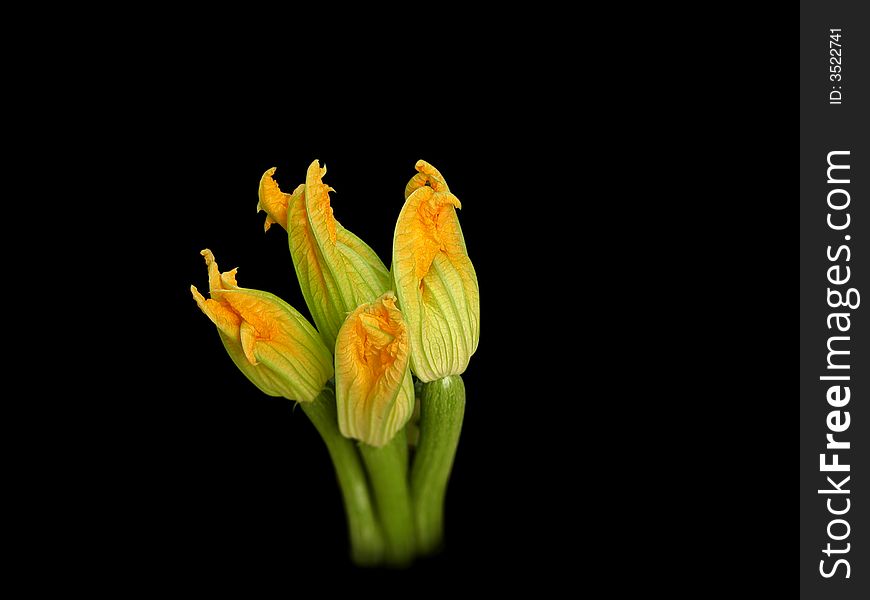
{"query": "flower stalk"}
{"type": "Point", "coordinates": [388, 473]}
{"type": "Point", "coordinates": [366, 541]}
{"type": "Point", "coordinates": [442, 407]}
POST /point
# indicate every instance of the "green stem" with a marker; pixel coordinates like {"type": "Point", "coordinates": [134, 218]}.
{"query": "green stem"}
{"type": "Point", "coordinates": [366, 542]}
{"type": "Point", "coordinates": [403, 451]}
{"type": "Point", "coordinates": [442, 407]}
{"type": "Point", "coordinates": [388, 472]}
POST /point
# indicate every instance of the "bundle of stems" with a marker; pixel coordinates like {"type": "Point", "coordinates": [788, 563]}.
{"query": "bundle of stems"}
{"type": "Point", "coordinates": [394, 495]}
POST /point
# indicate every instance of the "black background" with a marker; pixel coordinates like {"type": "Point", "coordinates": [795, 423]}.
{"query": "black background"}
{"type": "Point", "coordinates": [213, 483]}
{"type": "Point", "coordinates": [241, 483]}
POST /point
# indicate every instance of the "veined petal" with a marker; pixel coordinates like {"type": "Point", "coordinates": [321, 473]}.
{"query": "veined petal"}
{"type": "Point", "coordinates": [226, 320]}
{"type": "Point", "coordinates": [366, 272]}
{"type": "Point", "coordinates": [435, 281]}
{"type": "Point", "coordinates": [267, 381]}
{"type": "Point", "coordinates": [427, 175]}
{"type": "Point", "coordinates": [321, 293]}
{"type": "Point", "coordinates": [275, 202]}
{"type": "Point", "coordinates": [319, 207]}
{"type": "Point", "coordinates": [324, 230]}
{"type": "Point", "coordinates": [373, 386]}
{"type": "Point", "coordinates": [214, 274]}
{"type": "Point", "coordinates": [430, 227]}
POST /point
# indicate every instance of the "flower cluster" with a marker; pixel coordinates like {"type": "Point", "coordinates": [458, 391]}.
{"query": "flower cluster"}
{"type": "Point", "coordinates": [374, 331]}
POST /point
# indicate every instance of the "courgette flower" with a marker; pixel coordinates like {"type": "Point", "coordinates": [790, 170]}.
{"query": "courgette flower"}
{"type": "Point", "coordinates": [268, 340]}
{"type": "Point", "coordinates": [373, 386]}
{"type": "Point", "coordinates": [435, 282]}
{"type": "Point", "coordinates": [337, 271]}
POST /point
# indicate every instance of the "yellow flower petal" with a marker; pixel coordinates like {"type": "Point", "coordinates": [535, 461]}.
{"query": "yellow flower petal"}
{"type": "Point", "coordinates": [316, 280]}
{"type": "Point", "coordinates": [275, 202]}
{"type": "Point", "coordinates": [373, 386]}
{"type": "Point", "coordinates": [430, 228]}
{"type": "Point", "coordinates": [317, 201]}
{"type": "Point", "coordinates": [427, 175]}
{"type": "Point", "coordinates": [226, 320]}
{"type": "Point", "coordinates": [435, 281]}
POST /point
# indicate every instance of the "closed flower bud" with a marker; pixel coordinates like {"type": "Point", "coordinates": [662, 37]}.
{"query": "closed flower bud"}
{"type": "Point", "coordinates": [434, 279]}
{"type": "Point", "coordinates": [267, 339]}
{"type": "Point", "coordinates": [337, 271]}
{"type": "Point", "coordinates": [373, 386]}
